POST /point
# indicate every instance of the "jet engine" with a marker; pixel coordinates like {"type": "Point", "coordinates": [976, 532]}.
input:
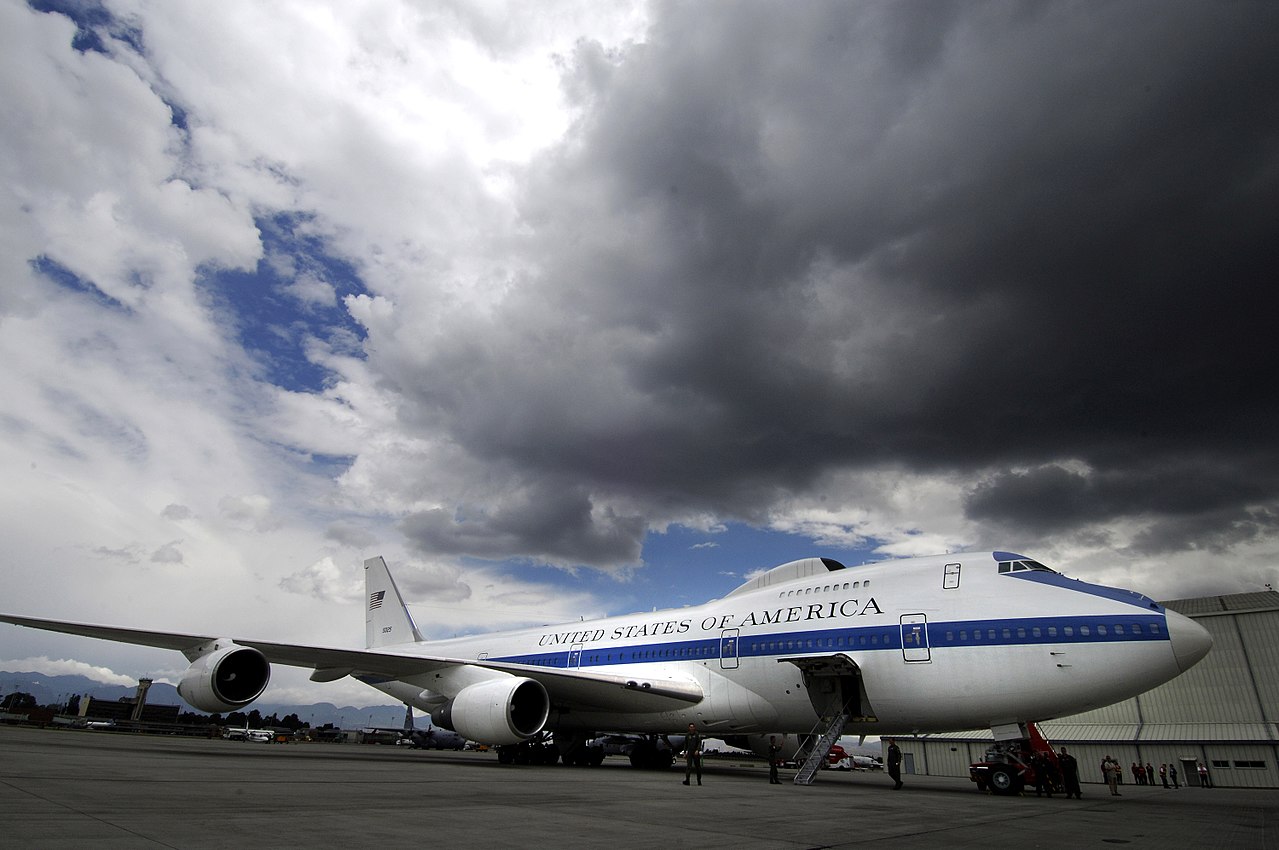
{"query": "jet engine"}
{"type": "Point", "coordinates": [758, 744]}
{"type": "Point", "coordinates": [225, 679]}
{"type": "Point", "coordinates": [500, 711]}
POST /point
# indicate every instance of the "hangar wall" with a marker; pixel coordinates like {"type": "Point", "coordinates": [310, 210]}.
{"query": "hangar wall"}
{"type": "Point", "coordinates": [1223, 712]}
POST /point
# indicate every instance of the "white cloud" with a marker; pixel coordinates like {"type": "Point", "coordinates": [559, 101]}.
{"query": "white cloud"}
{"type": "Point", "coordinates": [66, 667]}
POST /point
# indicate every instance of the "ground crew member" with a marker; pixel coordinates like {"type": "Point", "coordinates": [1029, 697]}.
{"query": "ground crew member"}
{"type": "Point", "coordinates": [1043, 782]}
{"type": "Point", "coordinates": [1069, 774]}
{"type": "Point", "coordinates": [693, 754]}
{"type": "Point", "coordinates": [895, 764]}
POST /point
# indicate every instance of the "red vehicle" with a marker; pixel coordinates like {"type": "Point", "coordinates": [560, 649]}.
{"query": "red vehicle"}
{"type": "Point", "coordinates": [836, 754]}
{"type": "Point", "coordinates": [1010, 766]}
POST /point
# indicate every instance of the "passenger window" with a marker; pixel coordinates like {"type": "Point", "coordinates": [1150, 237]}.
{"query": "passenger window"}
{"type": "Point", "coordinates": [1101, 630]}
{"type": "Point", "coordinates": [1069, 631]}
{"type": "Point", "coordinates": [1052, 631]}
{"type": "Point", "coordinates": [1084, 631]}
{"type": "Point", "coordinates": [1021, 633]}
{"type": "Point", "coordinates": [1007, 634]}
{"type": "Point", "coordinates": [1035, 632]}
{"type": "Point", "coordinates": [1119, 628]}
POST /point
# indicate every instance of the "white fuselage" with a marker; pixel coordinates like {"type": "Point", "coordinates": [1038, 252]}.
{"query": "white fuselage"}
{"type": "Point", "coordinates": [942, 643]}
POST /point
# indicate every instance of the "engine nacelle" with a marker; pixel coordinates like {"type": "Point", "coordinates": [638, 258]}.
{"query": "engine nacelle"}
{"type": "Point", "coordinates": [226, 678]}
{"type": "Point", "coordinates": [759, 743]}
{"type": "Point", "coordinates": [501, 711]}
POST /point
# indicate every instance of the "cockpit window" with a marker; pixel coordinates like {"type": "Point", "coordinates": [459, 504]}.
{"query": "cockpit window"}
{"type": "Point", "coordinates": [1021, 566]}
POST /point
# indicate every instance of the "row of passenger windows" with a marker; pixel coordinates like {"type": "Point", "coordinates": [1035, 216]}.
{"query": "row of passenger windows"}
{"type": "Point", "coordinates": [881, 638]}
{"type": "Point", "coordinates": [1102, 630]}
{"type": "Point", "coordinates": [823, 588]}
{"type": "Point", "coordinates": [673, 652]}
{"type": "Point", "coordinates": [885, 637]}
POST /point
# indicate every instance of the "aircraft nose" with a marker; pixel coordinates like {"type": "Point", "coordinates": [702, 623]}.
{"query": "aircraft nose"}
{"type": "Point", "coordinates": [1190, 641]}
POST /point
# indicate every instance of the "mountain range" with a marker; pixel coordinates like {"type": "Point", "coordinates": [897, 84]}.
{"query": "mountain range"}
{"type": "Point", "coordinates": [49, 690]}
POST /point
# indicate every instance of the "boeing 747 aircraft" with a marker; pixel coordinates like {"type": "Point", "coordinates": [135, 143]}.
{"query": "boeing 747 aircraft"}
{"type": "Point", "coordinates": [951, 642]}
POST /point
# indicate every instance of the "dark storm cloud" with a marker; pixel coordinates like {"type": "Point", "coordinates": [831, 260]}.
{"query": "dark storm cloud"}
{"type": "Point", "coordinates": [1186, 493]}
{"type": "Point", "coordinates": [786, 239]}
{"type": "Point", "coordinates": [548, 523]}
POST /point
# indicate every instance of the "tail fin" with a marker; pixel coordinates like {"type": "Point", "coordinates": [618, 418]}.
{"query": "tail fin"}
{"type": "Point", "coordinates": [386, 620]}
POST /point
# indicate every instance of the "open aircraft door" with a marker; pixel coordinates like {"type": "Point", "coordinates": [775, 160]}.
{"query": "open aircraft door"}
{"type": "Point", "coordinates": [834, 684]}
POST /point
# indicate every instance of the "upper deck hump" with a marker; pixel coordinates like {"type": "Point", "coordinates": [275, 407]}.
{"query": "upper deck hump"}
{"type": "Point", "coordinates": [802, 568]}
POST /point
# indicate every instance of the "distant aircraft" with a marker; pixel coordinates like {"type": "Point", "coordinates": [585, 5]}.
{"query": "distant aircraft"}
{"type": "Point", "coordinates": [989, 639]}
{"type": "Point", "coordinates": [431, 738]}
{"type": "Point", "coordinates": [856, 762]}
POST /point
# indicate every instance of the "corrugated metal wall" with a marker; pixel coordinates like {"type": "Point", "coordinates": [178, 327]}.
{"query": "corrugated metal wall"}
{"type": "Point", "coordinates": [1260, 633]}
{"type": "Point", "coordinates": [1218, 689]}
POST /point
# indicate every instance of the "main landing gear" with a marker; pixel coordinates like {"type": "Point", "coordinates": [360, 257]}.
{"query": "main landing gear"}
{"type": "Point", "coordinates": [542, 749]}
{"type": "Point", "coordinates": [652, 753]}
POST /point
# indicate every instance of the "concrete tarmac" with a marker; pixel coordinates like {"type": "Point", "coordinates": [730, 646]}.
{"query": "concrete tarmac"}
{"type": "Point", "coordinates": [65, 788]}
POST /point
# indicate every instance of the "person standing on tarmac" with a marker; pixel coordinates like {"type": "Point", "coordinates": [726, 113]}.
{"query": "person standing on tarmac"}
{"type": "Point", "coordinates": [1069, 774]}
{"type": "Point", "coordinates": [774, 753]}
{"type": "Point", "coordinates": [895, 764]}
{"type": "Point", "coordinates": [1043, 777]}
{"type": "Point", "coordinates": [1112, 770]}
{"type": "Point", "coordinates": [693, 754]}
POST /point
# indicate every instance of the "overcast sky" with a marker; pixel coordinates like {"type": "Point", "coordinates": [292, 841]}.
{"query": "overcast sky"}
{"type": "Point", "coordinates": [580, 308]}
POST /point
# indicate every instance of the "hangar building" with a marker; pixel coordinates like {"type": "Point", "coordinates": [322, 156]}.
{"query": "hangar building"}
{"type": "Point", "coordinates": [1223, 712]}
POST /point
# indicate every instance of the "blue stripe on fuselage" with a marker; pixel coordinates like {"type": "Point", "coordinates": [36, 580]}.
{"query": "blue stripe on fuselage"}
{"type": "Point", "coordinates": [1128, 597]}
{"type": "Point", "coordinates": [1105, 628]}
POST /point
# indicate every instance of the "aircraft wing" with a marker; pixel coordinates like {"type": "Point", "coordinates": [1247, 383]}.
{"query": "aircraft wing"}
{"type": "Point", "coordinates": [573, 687]}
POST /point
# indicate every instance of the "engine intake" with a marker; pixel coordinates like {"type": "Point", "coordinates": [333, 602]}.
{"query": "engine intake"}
{"type": "Point", "coordinates": [226, 679]}
{"type": "Point", "coordinates": [501, 711]}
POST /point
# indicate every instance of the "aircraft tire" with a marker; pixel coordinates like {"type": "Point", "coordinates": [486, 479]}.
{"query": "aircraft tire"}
{"type": "Point", "coordinates": [1004, 781]}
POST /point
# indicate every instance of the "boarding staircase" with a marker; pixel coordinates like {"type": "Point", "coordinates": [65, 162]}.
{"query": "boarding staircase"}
{"type": "Point", "coordinates": [817, 755]}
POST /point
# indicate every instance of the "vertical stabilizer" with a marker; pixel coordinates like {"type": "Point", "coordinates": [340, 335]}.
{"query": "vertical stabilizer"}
{"type": "Point", "coordinates": [386, 620]}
